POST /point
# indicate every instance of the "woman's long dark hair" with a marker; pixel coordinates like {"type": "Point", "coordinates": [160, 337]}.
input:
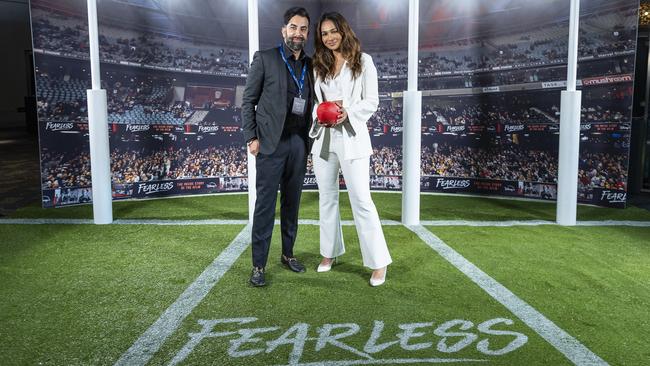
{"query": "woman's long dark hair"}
{"type": "Point", "coordinates": [324, 61]}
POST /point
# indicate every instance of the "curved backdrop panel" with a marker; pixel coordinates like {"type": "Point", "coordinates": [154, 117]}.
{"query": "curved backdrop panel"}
{"type": "Point", "coordinates": [490, 72]}
{"type": "Point", "coordinates": [174, 78]}
{"type": "Point", "coordinates": [491, 77]}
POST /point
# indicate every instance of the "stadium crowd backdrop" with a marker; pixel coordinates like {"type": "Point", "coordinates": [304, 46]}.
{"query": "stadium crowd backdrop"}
{"type": "Point", "coordinates": [491, 89]}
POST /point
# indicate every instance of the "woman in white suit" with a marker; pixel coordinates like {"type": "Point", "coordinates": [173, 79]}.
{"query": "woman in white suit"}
{"type": "Point", "coordinates": [348, 77]}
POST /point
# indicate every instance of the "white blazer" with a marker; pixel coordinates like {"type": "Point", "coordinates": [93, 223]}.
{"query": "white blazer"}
{"type": "Point", "coordinates": [360, 100]}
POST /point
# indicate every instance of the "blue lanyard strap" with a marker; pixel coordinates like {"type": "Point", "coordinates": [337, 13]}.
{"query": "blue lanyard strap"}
{"type": "Point", "coordinates": [299, 83]}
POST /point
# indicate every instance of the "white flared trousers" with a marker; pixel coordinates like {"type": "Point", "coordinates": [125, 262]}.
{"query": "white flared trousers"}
{"type": "Point", "coordinates": [374, 250]}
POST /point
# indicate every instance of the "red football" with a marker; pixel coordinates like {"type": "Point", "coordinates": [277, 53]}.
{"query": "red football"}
{"type": "Point", "coordinates": [327, 113]}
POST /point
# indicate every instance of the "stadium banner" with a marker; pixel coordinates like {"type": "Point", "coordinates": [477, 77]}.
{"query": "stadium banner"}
{"type": "Point", "coordinates": [71, 196]}
{"type": "Point", "coordinates": [491, 97]}
{"type": "Point", "coordinates": [521, 189]}
{"type": "Point", "coordinates": [377, 182]}
{"type": "Point", "coordinates": [174, 83]}
{"type": "Point", "coordinates": [180, 187]}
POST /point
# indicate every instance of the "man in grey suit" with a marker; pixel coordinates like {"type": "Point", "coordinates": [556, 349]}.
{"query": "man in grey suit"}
{"type": "Point", "coordinates": [280, 85]}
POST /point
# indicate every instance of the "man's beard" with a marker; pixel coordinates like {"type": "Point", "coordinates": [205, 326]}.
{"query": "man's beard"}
{"type": "Point", "coordinates": [295, 45]}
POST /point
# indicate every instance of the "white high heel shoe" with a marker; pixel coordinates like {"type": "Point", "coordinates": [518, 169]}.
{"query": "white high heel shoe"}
{"type": "Point", "coordinates": [380, 281]}
{"type": "Point", "coordinates": [326, 268]}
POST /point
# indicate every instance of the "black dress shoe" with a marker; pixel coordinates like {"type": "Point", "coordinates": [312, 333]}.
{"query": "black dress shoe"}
{"type": "Point", "coordinates": [293, 264]}
{"type": "Point", "coordinates": [257, 277]}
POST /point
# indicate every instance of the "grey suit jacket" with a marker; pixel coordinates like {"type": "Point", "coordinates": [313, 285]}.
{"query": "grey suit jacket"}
{"type": "Point", "coordinates": [266, 88]}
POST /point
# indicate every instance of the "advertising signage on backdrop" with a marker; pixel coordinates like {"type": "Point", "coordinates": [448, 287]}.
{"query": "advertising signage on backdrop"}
{"type": "Point", "coordinates": [71, 196]}
{"type": "Point", "coordinates": [490, 112]}
{"type": "Point", "coordinates": [521, 189]}
{"type": "Point", "coordinates": [600, 80]}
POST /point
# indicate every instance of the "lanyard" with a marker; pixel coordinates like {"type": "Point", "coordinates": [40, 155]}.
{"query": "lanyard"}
{"type": "Point", "coordinates": [299, 83]}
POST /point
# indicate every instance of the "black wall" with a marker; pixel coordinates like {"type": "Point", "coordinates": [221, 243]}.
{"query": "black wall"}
{"type": "Point", "coordinates": [15, 44]}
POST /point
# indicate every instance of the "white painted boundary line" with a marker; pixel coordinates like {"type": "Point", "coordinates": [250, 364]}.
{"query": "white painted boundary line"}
{"type": "Point", "coordinates": [121, 222]}
{"type": "Point", "coordinates": [46, 222]}
{"type": "Point", "coordinates": [408, 361]}
{"type": "Point", "coordinates": [614, 223]}
{"type": "Point", "coordinates": [180, 222]}
{"type": "Point", "coordinates": [558, 338]}
{"type": "Point", "coordinates": [315, 222]}
{"type": "Point", "coordinates": [487, 223]}
{"type": "Point", "coordinates": [153, 338]}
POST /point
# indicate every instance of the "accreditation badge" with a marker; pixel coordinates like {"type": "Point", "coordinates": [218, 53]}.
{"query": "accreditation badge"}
{"type": "Point", "coordinates": [298, 106]}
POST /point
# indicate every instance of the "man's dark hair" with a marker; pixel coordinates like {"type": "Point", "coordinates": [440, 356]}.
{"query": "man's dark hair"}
{"type": "Point", "coordinates": [296, 10]}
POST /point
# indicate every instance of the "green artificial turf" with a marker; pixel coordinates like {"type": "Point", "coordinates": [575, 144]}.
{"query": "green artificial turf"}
{"type": "Point", "coordinates": [433, 207]}
{"type": "Point", "coordinates": [593, 282]}
{"type": "Point", "coordinates": [438, 207]}
{"type": "Point", "coordinates": [81, 294]}
{"type": "Point", "coordinates": [225, 207]}
{"type": "Point", "coordinates": [420, 288]}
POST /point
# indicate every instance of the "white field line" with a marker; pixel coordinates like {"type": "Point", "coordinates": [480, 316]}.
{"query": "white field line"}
{"type": "Point", "coordinates": [315, 222]}
{"type": "Point", "coordinates": [153, 338]}
{"type": "Point", "coordinates": [570, 347]}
